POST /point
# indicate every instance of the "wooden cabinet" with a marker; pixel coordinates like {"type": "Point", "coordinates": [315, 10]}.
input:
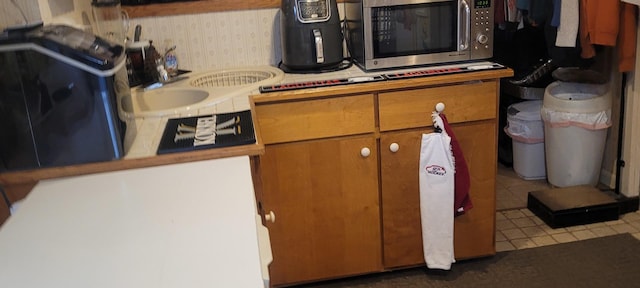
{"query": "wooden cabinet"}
{"type": "Point", "coordinates": [339, 213]}
{"type": "Point", "coordinates": [400, 194]}
{"type": "Point", "coordinates": [4, 211]}
{"type": "Point", "coordinates": [13, 193]}
{"type": "Point", "coordinates": [324, 195]}
{"type": "Point", "coordinates": [471, 110]}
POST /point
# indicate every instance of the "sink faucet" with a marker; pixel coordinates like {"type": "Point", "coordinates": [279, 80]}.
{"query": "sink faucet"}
{"type": "Point", "coordinates": [167, 65]}
{"type": "Point", "coordinates": [166, 71]}
{"type": "Point", "coordinates": [163, 75]}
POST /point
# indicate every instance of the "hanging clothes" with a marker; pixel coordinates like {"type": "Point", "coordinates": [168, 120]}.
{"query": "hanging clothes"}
{"type": "Point", "coordinates": [569, 23]}
{"type": "Point", "coordinates": [537, 11]}
{"type": "Point", "coordinates": [555, 18]}
{"type": "Point", "coordinates": [436, 179]}
{"type": "Point", "coordinates": [609, 23]}
{"type": "Point", "coordinates": [627, 38]}
{"type": "Point", "coordinates": [462, 201]}
{"type": "Point", "coordinates": [499, 15]}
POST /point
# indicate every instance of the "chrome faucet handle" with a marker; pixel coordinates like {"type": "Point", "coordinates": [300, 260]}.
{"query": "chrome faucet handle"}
{"type": "Point", "coordinates": [163, 75]}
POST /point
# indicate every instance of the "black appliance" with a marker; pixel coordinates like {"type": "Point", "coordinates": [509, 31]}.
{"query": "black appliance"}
{"type": "Point", "coordinates": [143, 2]}
{"type": "Point", "coordinates": [311, 35]}
{"type": "Point", "coordinates": [59, 91]}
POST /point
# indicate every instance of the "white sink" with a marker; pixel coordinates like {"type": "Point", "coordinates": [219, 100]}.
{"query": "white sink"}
{"type": "Point", "coordinates": [170, 98]}
{"type": "Point", "coordinates": [201, 90]}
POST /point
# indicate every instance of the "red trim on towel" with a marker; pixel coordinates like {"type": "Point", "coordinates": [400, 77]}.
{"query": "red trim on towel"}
{"type": "Point", "coordinates": [462, 177]}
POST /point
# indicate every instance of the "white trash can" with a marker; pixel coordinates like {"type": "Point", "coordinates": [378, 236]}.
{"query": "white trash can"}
{"type": "Point", "coordinates": [576, 117]}
{"type": "Point", "coordinates": [525, 127]}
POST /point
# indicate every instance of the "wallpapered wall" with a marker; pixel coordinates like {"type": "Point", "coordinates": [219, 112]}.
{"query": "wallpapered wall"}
{"type": "Point", "coordinates": [10, 15]}
{"type": "Point", "coordinates": [203, 41]}
{"type": "Point", "coordinates": [217, 40]}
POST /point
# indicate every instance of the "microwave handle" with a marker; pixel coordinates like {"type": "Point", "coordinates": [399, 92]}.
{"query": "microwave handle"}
{"type": "Point", "coordinates": [464, 35]}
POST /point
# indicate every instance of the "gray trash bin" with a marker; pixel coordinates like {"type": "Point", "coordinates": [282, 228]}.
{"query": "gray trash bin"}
{"type": "Point", "coordinates": [525, 127]}
{"type": "Point", "coordinates": [576, 118]}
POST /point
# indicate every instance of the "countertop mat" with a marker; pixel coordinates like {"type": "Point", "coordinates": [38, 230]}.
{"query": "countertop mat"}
{"type": "Point", "coordinates": [245, 135]}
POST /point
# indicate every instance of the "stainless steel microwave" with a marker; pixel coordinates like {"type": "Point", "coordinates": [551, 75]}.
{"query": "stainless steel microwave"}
{"type": "Point", "coordinates": [383, 34]}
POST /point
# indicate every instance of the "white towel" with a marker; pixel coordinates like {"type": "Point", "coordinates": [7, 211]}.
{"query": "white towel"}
{"type": "Point", "coordinates": [436, 199]}
{"type": "Point", "coordinates": [569, 23]}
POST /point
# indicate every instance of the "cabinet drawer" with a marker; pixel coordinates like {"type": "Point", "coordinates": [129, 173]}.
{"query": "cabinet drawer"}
{"type": "Point", "coordinates": [412, 108]}
{"type": "Point", "coordinates": [320, 118]}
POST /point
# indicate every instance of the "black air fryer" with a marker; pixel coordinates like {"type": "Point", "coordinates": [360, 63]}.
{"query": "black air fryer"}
{"type": "Point", "coordinates": [311, 36]}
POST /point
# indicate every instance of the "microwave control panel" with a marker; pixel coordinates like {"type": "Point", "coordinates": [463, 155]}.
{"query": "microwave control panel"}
{"type": "Point", "coordinates": [482, 29]}
{"type": "Point", "coordinates": [478, 4]}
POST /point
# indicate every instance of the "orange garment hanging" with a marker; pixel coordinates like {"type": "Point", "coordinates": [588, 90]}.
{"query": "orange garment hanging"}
{"type": "Point", "coordinates": [609, 23]}
{"type": "Point", "coordinates": [627, 37]}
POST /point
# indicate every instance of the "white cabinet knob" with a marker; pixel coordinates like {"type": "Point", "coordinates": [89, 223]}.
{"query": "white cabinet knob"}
{"type": "Point", "coordinates": [271, 217]}
{"type": "Point", "coordinates": [439, 107]}
{"type": "Point", "coordinates": [365, 152]}
{"type": "Point", "coordinates": [394, 147]}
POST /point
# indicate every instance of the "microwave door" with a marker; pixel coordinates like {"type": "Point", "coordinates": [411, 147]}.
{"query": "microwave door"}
{"type": "Point", "coordinates": [464, 25]}
{"type": "Point", "coordinates": [421, 32]}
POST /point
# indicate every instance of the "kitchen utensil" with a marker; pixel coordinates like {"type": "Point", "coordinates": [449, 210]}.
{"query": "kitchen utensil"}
{"type": "Point", "coordinates": [137, 54]}
{"type": "Point", "coordinates": [311, 36]}
{"type": "Point", "coordinates": [137, 32]}
{"type": "Point", "coordinates": [111, 22]}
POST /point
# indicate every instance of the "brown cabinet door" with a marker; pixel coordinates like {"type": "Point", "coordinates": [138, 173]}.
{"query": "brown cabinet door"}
{"type": "Point", "coordinates": [474, 231]}
{"type": "Point", "coordinates": [324, 195]}
{"type": "Point", "coordinates": [4, 211]}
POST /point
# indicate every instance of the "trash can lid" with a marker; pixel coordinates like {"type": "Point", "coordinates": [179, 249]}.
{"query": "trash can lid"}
{"type": "Point", "coordinates": [527, 110]}
{"type": "Point", "coordinates": [578, 75]}
{"type": "Point", "coordinates": [577, 97]}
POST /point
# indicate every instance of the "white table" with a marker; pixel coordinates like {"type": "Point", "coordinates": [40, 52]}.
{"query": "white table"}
{"type": "Point", "coordinates": [183, 225]}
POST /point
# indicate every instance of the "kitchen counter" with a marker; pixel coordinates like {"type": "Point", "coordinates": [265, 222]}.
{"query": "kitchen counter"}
{"type": "Point", "coordinates": [355, 147]}
{"type": "Point", "coordinates": [139, 228]}
{"type": "Point", "coordinates": [154, 227]}
{"type": "Point", "coordinates": [142, 152]}
{"type": "Point", "coordinates": [149, 129]}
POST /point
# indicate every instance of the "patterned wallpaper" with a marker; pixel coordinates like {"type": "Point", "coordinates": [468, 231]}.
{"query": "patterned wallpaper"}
{"type": "Point", "coordinates": [217, 40]}
{"type": "Point", "coordinates": [10, 15]}
{"type": "Point", "coordinates": [203, 41]}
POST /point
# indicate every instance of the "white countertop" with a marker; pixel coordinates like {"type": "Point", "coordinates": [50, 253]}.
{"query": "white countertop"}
{"type": "Point", "coordinates": [354, 71]}
{"type": "Point", "coordinates": [149, 129]}
{"type": "Point", "coordinates": [182, 225]}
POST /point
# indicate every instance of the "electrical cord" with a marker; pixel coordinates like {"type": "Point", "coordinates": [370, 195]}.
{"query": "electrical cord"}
{"type": "Point", "coordinates": [620, 160]}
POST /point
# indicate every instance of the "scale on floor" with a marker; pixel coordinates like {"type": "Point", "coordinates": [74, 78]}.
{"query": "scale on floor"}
{"type": "Point", "coordinates": [570, 206]}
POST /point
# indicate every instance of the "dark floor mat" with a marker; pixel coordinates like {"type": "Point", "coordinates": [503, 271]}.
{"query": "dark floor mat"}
{"type": "Point", "coordinates": [610, 261]}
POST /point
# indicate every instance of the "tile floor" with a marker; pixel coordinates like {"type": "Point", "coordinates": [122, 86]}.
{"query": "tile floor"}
{"type": "Point", "coordinates": [518, 228]}
{"type": "Point", "coordinates": [511, 190]}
